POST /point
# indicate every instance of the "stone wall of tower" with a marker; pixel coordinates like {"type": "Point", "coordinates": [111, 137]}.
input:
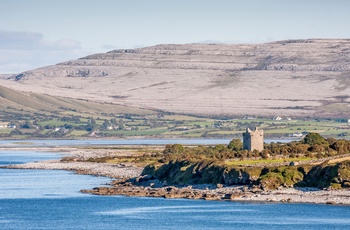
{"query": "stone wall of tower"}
{"type": "Point", "coordinates": [253, 140]}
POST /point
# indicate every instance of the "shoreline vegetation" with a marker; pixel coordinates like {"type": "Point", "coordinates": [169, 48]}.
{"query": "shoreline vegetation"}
{"type": "Point", "coordinates": [314, 170]}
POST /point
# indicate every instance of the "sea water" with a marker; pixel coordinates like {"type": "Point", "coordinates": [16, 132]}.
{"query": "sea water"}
{"type": "Point", "coordinates": [49, 143]}
{"type": "Point", "coordinates": [42, 199]}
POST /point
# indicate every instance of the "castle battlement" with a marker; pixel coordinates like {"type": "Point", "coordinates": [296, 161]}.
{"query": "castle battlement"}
{"type": "Point", "coordinates": [253, 140]}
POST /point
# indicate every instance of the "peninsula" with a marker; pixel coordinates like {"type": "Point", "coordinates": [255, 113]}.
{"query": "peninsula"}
{"type": "Point", "coordinates": [314, 170]}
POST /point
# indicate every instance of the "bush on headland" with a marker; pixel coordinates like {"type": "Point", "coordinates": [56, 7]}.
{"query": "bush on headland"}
{"type": "Point", "coordinates": [208, 165]}
{"type": "Point", "coordinates": [328, 175]}
{"type": "Point", "coordinates": [312, 146]}
{"type": "Point", "coordinates": [204, 172]}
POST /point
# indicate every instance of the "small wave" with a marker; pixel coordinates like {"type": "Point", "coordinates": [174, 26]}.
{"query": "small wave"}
{"type": "Point", "coordinates": [5, 221]}
{"type": "Point", "coordinates": [174, 209]}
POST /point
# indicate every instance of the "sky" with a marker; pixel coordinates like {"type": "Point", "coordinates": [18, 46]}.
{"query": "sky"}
{"type": "Point", "coordinates": [37, 33]}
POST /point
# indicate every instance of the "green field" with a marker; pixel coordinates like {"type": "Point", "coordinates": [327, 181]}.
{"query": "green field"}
{"type": "Point", "coordinates": [43, 116]}
{"type": "Point", "coordinates": [151, 132]}
{"type": "Point", "coordinates": [78, 133]}
{"type": "Point", "coordinates": [5, 131]}
{"type": "Point", "coordinates": [170, 126]}
{"type": "Point", "coordinates": [266, 161]}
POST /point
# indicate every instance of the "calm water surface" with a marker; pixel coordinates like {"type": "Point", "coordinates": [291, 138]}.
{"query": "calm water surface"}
{"type": "Point", "coordinates": [123, 142]}
{"type": "Point", "coordinates": [41, 199]}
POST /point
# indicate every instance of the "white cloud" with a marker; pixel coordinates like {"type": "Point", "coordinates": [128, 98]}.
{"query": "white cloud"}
{"type": "Point", "coordinates": [109, 47]}
{"type": "Point", "coordinates": [33, 41]}
{"type": "Point", "coordinates": [21, 51]}
{"type": "Point", "coordinates": [62, 44]}
{"type": "Point", "coordinates": [19, 40]}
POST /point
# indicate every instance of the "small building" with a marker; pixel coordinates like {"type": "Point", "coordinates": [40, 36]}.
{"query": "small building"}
{"type": "Point", "coordinates": [253, 140]}
{"type": "Point", "coordinates": [297, 134]}
{"type": "Point", "coordinates": [12, 126]}
{"type": "Point", "coordinates": [277, 118]}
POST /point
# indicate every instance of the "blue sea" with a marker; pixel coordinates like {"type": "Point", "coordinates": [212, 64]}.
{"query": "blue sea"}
{"type": "Point", "coordinates": [42, 199]}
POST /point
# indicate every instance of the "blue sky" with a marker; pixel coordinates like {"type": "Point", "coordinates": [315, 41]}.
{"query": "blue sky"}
{"type": "Point", "coordinates": [35, 33]}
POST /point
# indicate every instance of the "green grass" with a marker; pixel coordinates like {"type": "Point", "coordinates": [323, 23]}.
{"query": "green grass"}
{"type": "Point", "coordinates": [266, 161]}
{"type": "Point", "coordinates": [45, 131]}
{"type": "Point", "coordinates": [201, 123]}
{"type": "Point", "coordinates": [224, 132]}
{"type": "Point", "coordinates": [5, 131]}
{"type": "Point", "coordinates": [58, 123]}
{"type": "Point", "coordinates": [151, 132]}
{"type": "Point", "coordinates": [78, 133]}
{"type": "Point", "coordinates": [20, 137]}
{"type": "Point", "coordinates": [192, 135]}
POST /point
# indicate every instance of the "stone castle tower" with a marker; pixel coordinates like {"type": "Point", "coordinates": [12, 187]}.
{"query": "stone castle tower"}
{"type": "Point", "coordinates": [253, 140]}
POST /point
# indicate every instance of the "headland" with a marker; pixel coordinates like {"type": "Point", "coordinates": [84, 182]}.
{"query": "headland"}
{"type": "Point", "coordinates": [144, 171]}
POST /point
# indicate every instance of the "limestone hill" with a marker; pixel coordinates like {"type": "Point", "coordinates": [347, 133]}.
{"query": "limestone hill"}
{"type": "Point", "coordinates": [286, 78]}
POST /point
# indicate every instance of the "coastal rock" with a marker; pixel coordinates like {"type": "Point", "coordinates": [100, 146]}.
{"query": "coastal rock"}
{"type": "Point", "coordinates": [236, 176]}
{"type": "Point", "coordinates": [231, 196]}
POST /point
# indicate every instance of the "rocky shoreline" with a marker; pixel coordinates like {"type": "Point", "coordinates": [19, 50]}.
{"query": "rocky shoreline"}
{"type": "Point", "coordinates": [128, 182]}
{"type": "Point", "coordinates": [146, 187]}
{"type": "Point", "coordinates": [87, 168]}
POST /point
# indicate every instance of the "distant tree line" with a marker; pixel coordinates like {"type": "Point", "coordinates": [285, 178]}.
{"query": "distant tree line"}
{"type": "Point", "coordinates": [313, 145]}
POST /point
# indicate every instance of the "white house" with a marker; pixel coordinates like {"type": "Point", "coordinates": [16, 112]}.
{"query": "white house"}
{"type": "Point", "coordinates": [277, 118]}
{"type": "Point", "coordinates": [297, 134]}
{"type": "Point", "coordinates": [12, 126]}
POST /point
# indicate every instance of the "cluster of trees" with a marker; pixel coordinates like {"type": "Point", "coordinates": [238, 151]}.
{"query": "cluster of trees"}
{"type": "Point", "coordinates": [65, 125]}
{"type": "Point", "coordinates": [313, 145]}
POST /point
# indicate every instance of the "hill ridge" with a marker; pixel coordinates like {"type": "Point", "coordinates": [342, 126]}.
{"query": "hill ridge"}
{"type": "Point", "coordinates": [300, 77]}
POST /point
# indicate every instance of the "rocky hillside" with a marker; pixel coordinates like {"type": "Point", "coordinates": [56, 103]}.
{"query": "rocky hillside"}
{"type": "Point", "coordinates": [325, 175]}
{"type": "Point", "coordinates": [286, 78]}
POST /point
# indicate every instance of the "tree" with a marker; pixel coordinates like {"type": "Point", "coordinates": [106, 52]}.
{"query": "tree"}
{"type": "Point", "coordinates": [114, 121]}
{"type": "Point", "coordinates": [121, 124]}
{"type": "Point", "coordinates": [90, 127]}
{"type": "Point", "coordinates": [92, 121]}
{"type": "Point", "coordinates": [106, 124]}
{"type": "Point", "coordinates": [175, 148]}
{"type": "Point", "coordinates": [314, 138]}
{"type": "Point", "coordinates": [68, 126]}
{"type": "Point", "coordinates": [27, 125]}
{"type": "Point", "coordinates": [236, 145]}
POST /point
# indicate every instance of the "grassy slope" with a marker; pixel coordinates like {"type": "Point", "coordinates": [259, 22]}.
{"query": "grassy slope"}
{"type": "Point", "coordinates": [31, 102]}
{"type": "Point", "coordinates": [22, 101]}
